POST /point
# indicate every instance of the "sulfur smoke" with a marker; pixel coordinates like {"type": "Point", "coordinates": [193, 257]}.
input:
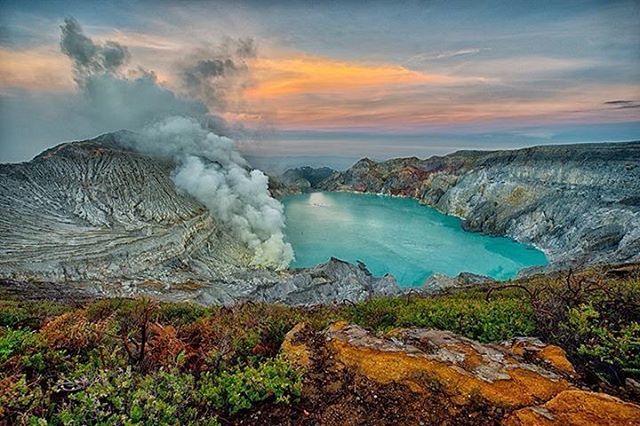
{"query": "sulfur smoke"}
{"type": "Point", "coordinates": [208, 165]}
{"type": "Point", "coordinates": [213, 171]}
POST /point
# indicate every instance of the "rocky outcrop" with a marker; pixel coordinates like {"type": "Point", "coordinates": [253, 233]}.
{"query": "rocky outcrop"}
{"type": "Point", "coordinates": [105, 220]}
{"type": "Point", "coordinates": [438, 283]}
{"type": "Point", "coordinates": [92, 210]}
{"type": "Point", "coordinates": [461, 368]}
{"type": "Point", "coordinates": [523, 381]}
{"type": "Point", "coordinates": [299, 180]}
{"type": "Point", "coordinates": [578, 203]}
{"type": "Point", "coordinates": [332, 281]}
{"type": "Point", "coordinates": [306, 177]}
{"type": "Point", "coordinates": [578, 408]}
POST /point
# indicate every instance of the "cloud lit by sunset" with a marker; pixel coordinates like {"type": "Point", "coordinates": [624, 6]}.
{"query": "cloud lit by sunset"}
{"type": "Point", "coordinates": [494, 74]}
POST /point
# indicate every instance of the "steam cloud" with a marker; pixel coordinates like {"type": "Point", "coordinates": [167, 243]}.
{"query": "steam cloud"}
{"type": "Point", "coordinates": [212, 170]}
{"type": "Point", "coordinates": [111, 98]}
{"type": "Point", "coordinates": [209, 167]}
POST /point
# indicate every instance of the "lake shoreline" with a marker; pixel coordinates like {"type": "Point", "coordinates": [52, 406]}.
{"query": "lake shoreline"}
{"type": "Point", "coordinates": [416, 242]}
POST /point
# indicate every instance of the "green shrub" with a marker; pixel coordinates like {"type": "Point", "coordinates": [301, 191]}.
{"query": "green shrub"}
{"type": "Point", "coordinates": [595, 318]}
{"type": "Point", "coordinates": [18, 397]}
{"type": "Point", "coordinates": [126, 397]}
{"type": "Point", "coordinates": [468, 315]}
{"type": "Point", "coordinates": [238, 390]}
{"type": "Point", "coordinates": [28, 314]}
{"type": "Point", "coordinates": [12, 342]}
{"type": "Point", "coordinates": [603, 344]}
{"type": "Point", "coordinates": [179, 313]}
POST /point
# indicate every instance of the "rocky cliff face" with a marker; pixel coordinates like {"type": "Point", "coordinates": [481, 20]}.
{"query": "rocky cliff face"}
{"type": "Point", "coordinates": [92, 210]}
{"type": "Point", "coordinates": [109, 220]}
{"type": "Point", "coordinates": [298, 181]}
{"type": "Point", "coordinates": [578, 203]}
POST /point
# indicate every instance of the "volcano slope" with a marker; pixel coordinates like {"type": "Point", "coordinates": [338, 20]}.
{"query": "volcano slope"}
{"type": "Point", "coordinates": [580, 204]}
{"type": "Point", "coordinates": [107, 220]}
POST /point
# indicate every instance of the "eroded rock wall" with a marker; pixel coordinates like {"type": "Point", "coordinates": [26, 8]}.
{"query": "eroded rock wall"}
{"type": "Point", "coordinates": [106, 221]}
{"type": "Point", "coordinates": [579, 203]}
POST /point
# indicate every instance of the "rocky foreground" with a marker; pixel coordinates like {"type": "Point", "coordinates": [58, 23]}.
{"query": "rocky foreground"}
{"type": "Point", "coordinates": [580, 204]}
{"type": "Point", "coordinates": [555, 349]}
{"type": "Point", "coordinates": [448, 379]}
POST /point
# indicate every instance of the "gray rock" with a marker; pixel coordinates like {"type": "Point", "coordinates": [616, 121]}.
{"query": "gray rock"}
{"type": "Point", "coordinates": [333, 281]}
{"type": "Point", "coordinates": [438, 283]}
{"type": "Point", "coordinates": [99, 219]}
{"type": "Point", "coordinates": [299, 180]}
{"type": "Point", "coordinates": [578, 203]}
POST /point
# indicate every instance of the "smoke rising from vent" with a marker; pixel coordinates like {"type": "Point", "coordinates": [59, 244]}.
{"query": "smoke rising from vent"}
{"type": "Point", "coordinates": [213, 171]}
{"type": "Point", "coordinates": [208, 165]}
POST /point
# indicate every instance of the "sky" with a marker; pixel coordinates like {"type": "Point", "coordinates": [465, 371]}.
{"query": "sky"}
{"type": "Point", "coordinates": [327, 81]}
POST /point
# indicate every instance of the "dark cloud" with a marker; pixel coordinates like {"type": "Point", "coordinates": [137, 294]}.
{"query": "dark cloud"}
{"type": "Point", "coordinates": [244, 47]}
{"type": "Point", "coordinates": [88, 57]}
{"type": "Point", "coordinates": [216, 75]}
{"type": "Point", "coordinates": [207, 69]}
{"type": "Point", "coordinates": [623, 104]}
{"type": "Point", "coordinates": [618, 102]}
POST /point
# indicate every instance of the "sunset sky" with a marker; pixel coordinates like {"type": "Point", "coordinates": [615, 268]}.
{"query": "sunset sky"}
{"type": "Point", "coordinates": [343, 79]}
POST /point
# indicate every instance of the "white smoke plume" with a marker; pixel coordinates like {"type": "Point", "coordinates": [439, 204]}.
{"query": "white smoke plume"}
{"type": "Point", "coordinates": [209, 167]}
{"type": "Point", "coordinates": [213, 171]}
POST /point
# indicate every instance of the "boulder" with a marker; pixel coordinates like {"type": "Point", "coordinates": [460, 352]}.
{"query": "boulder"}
{"type": "Point", "coordinates": [293, 347]}
{"type": "Point", "coordinates": [421, 359]}
{"type": "Point", "coordinates": [446, 379]}
{"type": "Point", "coordinates": [438, 283]}
{"type": "Point", "coordinates": [578, 408]}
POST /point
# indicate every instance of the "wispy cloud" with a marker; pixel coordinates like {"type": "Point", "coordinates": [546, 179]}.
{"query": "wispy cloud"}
{"type": "Point", "coordinates": [37, 69]}
{"type": "Point", "coordinates": [433, 56]}
{"type": "Point", "coordinates": [622, 104]}
{"type": "Point", "coordinates": [305, 74]}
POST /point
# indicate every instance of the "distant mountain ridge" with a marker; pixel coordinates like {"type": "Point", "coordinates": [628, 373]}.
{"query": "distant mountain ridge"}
{"type": "Point", "coordinates": [299, 180]}
{"type": "Point", "coordinates": [96, 216]}
{"type": "Point", "coordinates": [579, 203]}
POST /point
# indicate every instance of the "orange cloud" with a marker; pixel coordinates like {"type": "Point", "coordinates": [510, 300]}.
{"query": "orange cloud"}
{"type": "Point", "coordinates": [422, 107]}
{"type": "Point", "coordinates": [35, 69]}
{"type": "Point", "coordinates": [309, 74]}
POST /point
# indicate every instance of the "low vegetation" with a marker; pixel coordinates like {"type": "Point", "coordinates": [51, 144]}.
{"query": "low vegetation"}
{"type": "Point", "coordinates": [141, 362]}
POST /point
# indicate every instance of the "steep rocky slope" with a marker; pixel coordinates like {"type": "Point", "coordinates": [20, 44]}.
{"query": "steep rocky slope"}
{"type": "Point", "coordinates": [101, 216]}
{"type": "Point", "coordinates": [93, 210]}
{"type": "Point", "coordinates": [579, 203]}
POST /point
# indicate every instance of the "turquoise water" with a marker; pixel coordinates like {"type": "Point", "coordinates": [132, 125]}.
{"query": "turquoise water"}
{"type": "Point", "coordinates": [397, 236]}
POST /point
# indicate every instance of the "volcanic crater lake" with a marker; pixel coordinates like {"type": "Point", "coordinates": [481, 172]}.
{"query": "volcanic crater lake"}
{"type": "Point", "coordinates": [398, 236]}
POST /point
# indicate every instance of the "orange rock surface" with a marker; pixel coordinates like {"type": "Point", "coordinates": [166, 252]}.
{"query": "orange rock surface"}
{"type": "Point", "coordinates": [553, 355]}
{"type": "Point", "coordinates": [295, 351]}
{"type": "Point", "coordinates": [578, 408]}
{"type": "Point", "coordinates": [525, 377]}
{"type": "Point", "coordinates": [462, 367]}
